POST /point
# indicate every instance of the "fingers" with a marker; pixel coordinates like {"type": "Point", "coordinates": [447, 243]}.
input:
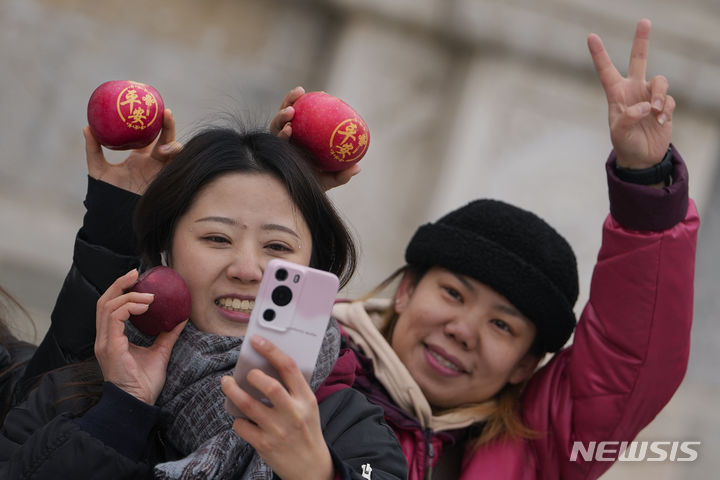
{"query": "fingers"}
{"type": "Point", "coordinates": [639, 52]}
{"type": "Point", "coordinates": [293, 399]}
{"type": "Point", "coordinates": [658, 87]}
{"type": "Point", "coordinates": [93, 154]}
{"type": "Point", "coordinates": [119, 286]}
{"type": "Point", "coordinates": [292, 97]}
{"type": "Point", "coordinates": [606, 71]}
{"type": "Point", "coordinates": [637, 112]}
{"type": "Point", "coordinates": [167, 134]}
{"type": "Point", "coordinates": [630, 116]}
{"type": "Point", "coordinates": [251, 408]}
{"type": "Point", "coordinates": [115, 306]}
{"type": "Point", "coordinates": [665, 117]}
{"type": "Point", "coordinates": [287, 368]}
{"type": "Point", "coordinates": [280, 123]}
{"type": "Point", "coordinates": [286, 132]}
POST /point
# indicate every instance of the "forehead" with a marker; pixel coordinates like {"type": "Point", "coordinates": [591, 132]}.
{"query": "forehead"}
{"type": "Point", "coordinates": [246, 197]}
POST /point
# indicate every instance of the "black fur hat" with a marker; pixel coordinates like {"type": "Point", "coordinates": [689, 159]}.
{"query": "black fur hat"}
{"type": "Point", "coordinates": [514, 252]}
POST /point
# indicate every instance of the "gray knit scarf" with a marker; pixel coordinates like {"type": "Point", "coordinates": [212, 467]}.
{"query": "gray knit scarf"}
{"type": "Point", "coordinates": [193, 417]}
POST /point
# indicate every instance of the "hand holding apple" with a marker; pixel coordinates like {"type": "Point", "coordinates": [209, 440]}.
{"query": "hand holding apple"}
{"type": "Point", "coordinates": [125, 115]}
{"type": "Point", "coordinates": [171, 304]}
{"type": "Point", "coordinates": [330, 130]}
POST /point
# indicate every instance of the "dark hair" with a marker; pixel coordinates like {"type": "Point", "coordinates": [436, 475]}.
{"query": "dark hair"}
{"type": "Point", "coordinates": [16, 353]}
{"type": "Point", "coordinates": [216, 151]}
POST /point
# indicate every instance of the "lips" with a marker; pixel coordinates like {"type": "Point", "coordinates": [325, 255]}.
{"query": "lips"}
{"type": "Point", "coordinates": [445, 359]}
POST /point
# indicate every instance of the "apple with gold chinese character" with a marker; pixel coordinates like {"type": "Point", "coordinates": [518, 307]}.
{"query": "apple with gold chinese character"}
{"type": "Point", "coordinates": [125, 115]}
{"type": "Point", "coordinates": [171, 304]}
{"type": "Point", "coordinates": [334, 133]}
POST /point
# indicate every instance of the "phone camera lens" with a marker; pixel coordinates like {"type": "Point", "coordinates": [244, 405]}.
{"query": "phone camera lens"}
{"type": "Point", "coordinates": [269, 314]}
{"type": "Point", "coordinates": [281, 296]}
{"type": "Point", "coordinates": [281, 274]}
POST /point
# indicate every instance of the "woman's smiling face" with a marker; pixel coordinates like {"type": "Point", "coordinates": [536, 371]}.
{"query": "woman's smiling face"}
{"type": "Point", "coordinates": [220, 246]}
{"type": "Point", "coordinates": [461, 341]}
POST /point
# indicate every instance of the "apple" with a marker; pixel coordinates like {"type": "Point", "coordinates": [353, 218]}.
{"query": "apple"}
{"type": "Point", "coordinates": [125, 115]}
{"type": "Point", "coordinates": [171, 304]}
{"type": "Point", "coordinates": [330, 130]}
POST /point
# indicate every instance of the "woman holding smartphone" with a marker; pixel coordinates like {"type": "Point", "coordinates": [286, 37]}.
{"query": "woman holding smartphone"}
{"type": "Point", "coordinates": [154, 407]}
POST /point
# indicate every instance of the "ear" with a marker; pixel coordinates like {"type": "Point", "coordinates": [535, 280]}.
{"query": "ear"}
{"type": "Point", "coordinates": [525, 368]}
{"type": "Point", "coordinates": [404, 292]}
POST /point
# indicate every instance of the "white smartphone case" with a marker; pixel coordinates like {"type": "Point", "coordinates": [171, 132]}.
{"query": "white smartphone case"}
{"type": "Point", "coordinates": [292, 310]}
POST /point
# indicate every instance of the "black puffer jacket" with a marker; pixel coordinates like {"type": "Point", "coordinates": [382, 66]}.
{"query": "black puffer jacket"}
{"type": "Point", "coordinates": [57, 434]}
{"type": "Point", "coordinates": [104, 250]}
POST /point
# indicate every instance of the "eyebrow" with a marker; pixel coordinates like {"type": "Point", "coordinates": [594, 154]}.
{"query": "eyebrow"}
{"type": "Point", "coordinates": [234, 223]}
{"type": "Point", "coordinates": [509, 309]}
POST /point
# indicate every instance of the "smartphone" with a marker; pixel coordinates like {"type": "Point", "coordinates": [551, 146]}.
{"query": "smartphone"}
{"type": "Point", "coordinates": [292, 310]}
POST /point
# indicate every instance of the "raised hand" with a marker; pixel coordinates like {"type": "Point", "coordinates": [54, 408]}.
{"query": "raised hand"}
{"type": "Point", "coordinates": [639, 111]}
{"type": "Point", "coordinates": [141, 166]}
{"type": "Point", "coordinates": [288, 435]}
{"type": "Point", "coordinates": [140, 371]}
{"type": "Point", "coordinates": [281, 126]}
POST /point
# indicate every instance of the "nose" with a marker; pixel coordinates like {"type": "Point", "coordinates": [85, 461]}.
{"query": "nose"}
{"type": "Point", "coordinates": [463, 332]}
{"type": "Point", "coordinates": [245, 266]}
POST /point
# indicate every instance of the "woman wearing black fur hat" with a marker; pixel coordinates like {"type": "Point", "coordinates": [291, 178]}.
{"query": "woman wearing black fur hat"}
{"type": "Point", "coordinates": [489, 289]}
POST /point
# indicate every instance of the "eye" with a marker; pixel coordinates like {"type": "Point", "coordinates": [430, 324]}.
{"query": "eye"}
{"type": "Point", "coordinates": [501, 324]}
{"type": "Point", "coordinates": [453, 293]}
{"type": "Point", "coordinates": [279, 247]}
{"type": "Point", "coordinates": [216, 239]}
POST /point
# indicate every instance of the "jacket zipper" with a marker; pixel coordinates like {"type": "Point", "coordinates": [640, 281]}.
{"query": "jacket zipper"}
{"type": "Point", "coordinates": [430, 451]}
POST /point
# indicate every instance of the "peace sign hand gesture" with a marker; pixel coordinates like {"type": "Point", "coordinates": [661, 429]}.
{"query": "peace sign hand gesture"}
{"type": "Point", "coordinates": [639, 111]}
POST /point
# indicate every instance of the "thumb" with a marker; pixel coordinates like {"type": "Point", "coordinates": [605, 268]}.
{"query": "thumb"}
{"type": "Point", "coordinates": [635, 113]}
{"type": "Point", "coordinates": [165, 341]}
{"type": "Point", "coordinates": [93, 154]}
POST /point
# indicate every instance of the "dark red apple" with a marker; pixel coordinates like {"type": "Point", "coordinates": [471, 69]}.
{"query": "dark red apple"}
{"type": "Point", "coordinates": [124, 114]}
{"type": "Point", "coordinates": [171, 304]}
{"type": "Point", "coordinates": [331, 130]}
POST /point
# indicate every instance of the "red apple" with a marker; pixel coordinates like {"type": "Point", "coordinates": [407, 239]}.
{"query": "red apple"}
{"type": "Point", "coordinates": [171, 304]}
{"type": "Point", "coordinates": [331, 130]}
{"type": "Point", "coordinates": [125, 115]}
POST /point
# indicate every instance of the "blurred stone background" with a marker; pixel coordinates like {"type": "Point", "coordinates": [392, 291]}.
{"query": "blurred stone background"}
{"type": "Point", "coordinates": [464, 99]}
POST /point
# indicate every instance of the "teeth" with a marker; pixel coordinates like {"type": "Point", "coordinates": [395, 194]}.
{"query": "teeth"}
{"type": "Point", "coordinates": [235, 304]}
{"type": "Point", "coordinates": [442, 361]}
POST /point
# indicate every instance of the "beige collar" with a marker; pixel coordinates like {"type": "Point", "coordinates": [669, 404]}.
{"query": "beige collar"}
{"type": "Point", "coordinates": [359, 319]}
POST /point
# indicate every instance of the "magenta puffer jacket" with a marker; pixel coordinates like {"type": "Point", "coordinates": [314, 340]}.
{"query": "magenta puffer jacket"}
{"type": "Point", "coordinates": [627, 359]}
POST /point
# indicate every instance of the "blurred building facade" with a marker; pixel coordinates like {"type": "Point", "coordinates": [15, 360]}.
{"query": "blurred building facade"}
{"type": "Point", "coordinates": [463, 98]}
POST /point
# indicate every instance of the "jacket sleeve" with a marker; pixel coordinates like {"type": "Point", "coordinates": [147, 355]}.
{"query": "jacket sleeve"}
{"type": "Point", "coordinates": [41, 438]}
{"type": "Point", "coordinates": [632, 342]}
{"type": "Point", "coordinates": [104, 250]}
{"type": "Point", "coordinates": [361, 444]}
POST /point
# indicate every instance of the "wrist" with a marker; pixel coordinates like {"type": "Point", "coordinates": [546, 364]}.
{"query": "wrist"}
{"type": "Point", "coordinates": [657, 175]}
